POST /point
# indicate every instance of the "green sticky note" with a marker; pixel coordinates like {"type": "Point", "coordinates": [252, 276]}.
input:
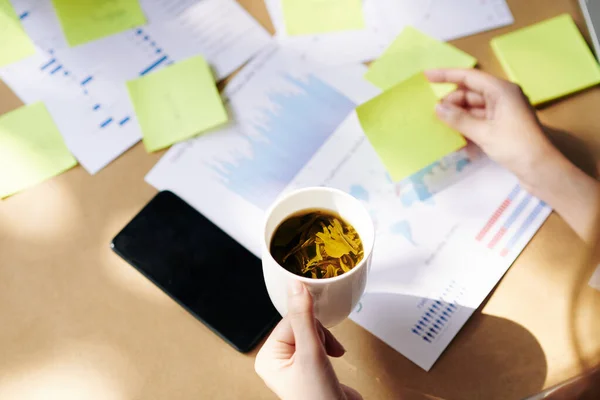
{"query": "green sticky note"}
{"type": "Point", "coordinates": [14, 42]}
{"type": "Point", "coordinates": [86, 20]}
{"type": "Point", "coordinates": [176, 103]}
{"type": "Point", "coordinates": [31, 149]}
{"type": "Point", "coordinates": [304, 17]}
{"type": "Point", "coordinates": [402, 126]}
{"type": "Point", "coordinates": [412, 52]}
{"type": "Point", "coordinates": [549, 59]}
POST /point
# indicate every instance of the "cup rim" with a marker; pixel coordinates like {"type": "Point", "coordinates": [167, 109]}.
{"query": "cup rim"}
{"type": "Point", "coordinates": [367, 252]}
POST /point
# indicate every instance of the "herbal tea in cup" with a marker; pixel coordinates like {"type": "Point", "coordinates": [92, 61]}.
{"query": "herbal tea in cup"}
{"type": "Point", "coordinates": [316, 244]}
{"type": "Point", "coordinates": [324, 238]}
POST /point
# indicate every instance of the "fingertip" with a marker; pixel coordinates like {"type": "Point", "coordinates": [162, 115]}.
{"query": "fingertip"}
{"type": "Point", "coordinates": [336, 351]}
{"type": "Point", "coordinates": [333, 346]}
{"type": "Point", "coordinates": [299, 299]}
{"type": "Point", "coordinates": [433, 75]}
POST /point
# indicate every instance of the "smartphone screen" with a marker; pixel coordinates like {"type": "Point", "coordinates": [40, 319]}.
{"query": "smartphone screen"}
{"type": "Point", "coordinates": [202, 268]}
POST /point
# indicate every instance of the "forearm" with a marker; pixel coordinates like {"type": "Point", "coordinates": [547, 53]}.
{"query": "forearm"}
{"type": "Point", "coordinates": [574, 195]}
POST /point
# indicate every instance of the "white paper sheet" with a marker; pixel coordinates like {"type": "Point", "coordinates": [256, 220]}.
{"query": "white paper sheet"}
{"type": "Point", "coordinates": [336, 48]}
{"type": "Point", "coordinates": [84, 87]}
{"type": "Point", "coordinates": [439, 250]}
{"type": "Point", "coordinates": [385, 19]}
{"type": "Point", "coordinates": [448, 19]}
{"type": "Point", "coordinates": [275, 93]}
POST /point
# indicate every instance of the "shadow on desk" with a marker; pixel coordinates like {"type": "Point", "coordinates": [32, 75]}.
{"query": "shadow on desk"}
{"type": "Point", "coordinates": [490, 358]}
{"type": "Point", "coordinates": [575, 149]}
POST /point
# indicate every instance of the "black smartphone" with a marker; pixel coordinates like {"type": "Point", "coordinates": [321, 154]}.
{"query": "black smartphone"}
{"type": "Point", "coordinates": [201, 267]}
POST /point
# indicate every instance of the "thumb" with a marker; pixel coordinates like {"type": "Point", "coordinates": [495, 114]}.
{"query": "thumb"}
{"type": "Point", "coordinates": [302, 319]}
{"type": "Point", "coordinates": [460, 120]}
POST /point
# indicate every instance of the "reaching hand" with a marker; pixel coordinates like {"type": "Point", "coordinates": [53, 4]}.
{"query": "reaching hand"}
{"type": "Point", "coordinates": [496, 115]}
{"type": "Point", "coordinates": [294, 361]}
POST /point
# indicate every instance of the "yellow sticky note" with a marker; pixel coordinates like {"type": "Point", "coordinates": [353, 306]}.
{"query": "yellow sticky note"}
{"type": "Point", "coordinates": [14, 42]}
{"type": "Point", "coordinates": [412, 52]}
{"type": "Point", "coordinates": [549, 59]}
{"type": "Point", "coordinates": [304, 17]}
{"type": "Point", "coordinates": [31, 149]}
{"type": "Point", "coordinates": [402, 126]}
{"type": "Point", "coordinates": [176, 103]}
{"type": "Point", "coordinates": [86, 20]}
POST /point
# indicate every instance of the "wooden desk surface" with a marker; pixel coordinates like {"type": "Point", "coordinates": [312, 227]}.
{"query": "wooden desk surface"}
{"type": "Point", "coordinates": [77, 322]}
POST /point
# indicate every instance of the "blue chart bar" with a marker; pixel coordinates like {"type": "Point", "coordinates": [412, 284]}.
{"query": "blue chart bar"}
{"type": "Point", "coordinates": [154, 65]}
{"type": "Point", "coordinates": [513, 217]}
{"type": "Point", "coordinates": [124, 121]}
{"type": "Point", "coordinates": [293, 127]}
{"type": "Point", "coordinates": [526, 224]}
{"type": "Point", "coordinates": [55, 70]}
{"type": "Point", "coordinates": [49, 63]}
{"type": "Point", "coordinates": [24, 15]}
{"type": "Point", "coordinates": [105, 123]}
{"type": "Point", "coordinates": [86, 80]}
{"type": "Point", "coordinates": [96, 107]}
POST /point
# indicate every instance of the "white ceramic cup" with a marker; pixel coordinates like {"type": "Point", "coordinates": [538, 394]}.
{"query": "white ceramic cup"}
{"type": "Point", "coordinates": [333, 298]}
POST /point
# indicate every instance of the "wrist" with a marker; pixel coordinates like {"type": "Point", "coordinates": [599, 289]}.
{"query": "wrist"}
{"type": "Point", "coordinates": [546, 175]}
{"type": "Point", "coordinates": [572, 193]}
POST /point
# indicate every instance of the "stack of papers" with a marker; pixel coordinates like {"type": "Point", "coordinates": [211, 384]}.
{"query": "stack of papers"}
{"type": "Point", "coordinates": [383, 21]}
{"type": "Point", "coordinates": [340, 47]}
{"type": "Point", "coordinates": [84, 87]}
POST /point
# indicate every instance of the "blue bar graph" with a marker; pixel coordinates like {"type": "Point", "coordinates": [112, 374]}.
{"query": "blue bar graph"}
{"type": "Point", "coordinates": [24, 15]}
{"type": "Point", "coordinates": [513, 217]}
{"type": "Point", "coordinates": [153, 65]}
{"type": "Point", "coordinates": [124, 121]}
{"type": "Point", "coordinates": [86, 80]}
{"type": "Point", "coordinates": [105, 123]}
{"type": "Point", "coordinates": [55, 70]}
{"type": "Point", "coordinates": [96, 107]}
{"type": "Point", "coordinates": [526, 224]}
{"type": "Point", "coordinates": [49, 63]}
{"type": "Point", "coordinates": [294, 125]}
